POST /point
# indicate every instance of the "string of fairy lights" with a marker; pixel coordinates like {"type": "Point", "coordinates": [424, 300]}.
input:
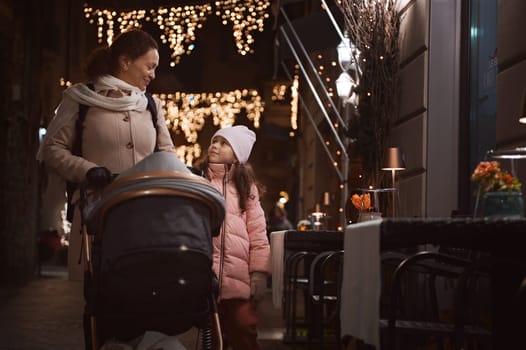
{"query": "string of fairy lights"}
{"type": "Point", "coordinates": [327, 67]}
{"type": "Point", "coordinates": [179, 24]}
{"type": "Point", "coordinates": [186, 114]}
{"type": "Point", "coordinates": [294, 91]}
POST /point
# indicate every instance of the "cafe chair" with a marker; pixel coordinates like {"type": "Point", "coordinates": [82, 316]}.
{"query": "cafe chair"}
{"type": "Point", "coordinates": [413, 307]}
{"type": "Point", "coordinates": [389, 262]}
{"type": "Point", "coordinates": [295, 287]}
{"type": "Point", "coordinates": [324, 300]}
{"type": "Point", "coordinates": [300, 248]}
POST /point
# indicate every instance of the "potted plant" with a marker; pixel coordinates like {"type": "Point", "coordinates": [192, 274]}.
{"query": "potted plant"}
{"type": "Point", "coordinates": [499, 191]}
{"type": "Point", "coordinates": [366, 210]}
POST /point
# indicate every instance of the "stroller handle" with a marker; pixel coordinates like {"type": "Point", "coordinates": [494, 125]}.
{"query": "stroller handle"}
{"type": "Point", "coordinates": [164, 183]}
{"type": "Point", "coordinates": [84, 187]}
{"type": "Point", "coordinates": [156, 174]}
{"type": "Point", "coordinates": [156, 192]}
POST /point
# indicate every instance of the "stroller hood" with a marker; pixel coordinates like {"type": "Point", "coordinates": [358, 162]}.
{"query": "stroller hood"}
{"type": "Point", "coordinates": [160, 170]}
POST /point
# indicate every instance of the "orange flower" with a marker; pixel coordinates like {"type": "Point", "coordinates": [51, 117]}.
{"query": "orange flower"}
{"type": "Point", "coordinates": [491, 177]}
{"type": "Point", "coordinates": [362, 201]}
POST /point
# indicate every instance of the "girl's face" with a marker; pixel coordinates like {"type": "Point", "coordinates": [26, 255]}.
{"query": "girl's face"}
{"type": "Point", "coordinates": [220, 151]}
{"type": "Point", "coordinates": [141, 71]}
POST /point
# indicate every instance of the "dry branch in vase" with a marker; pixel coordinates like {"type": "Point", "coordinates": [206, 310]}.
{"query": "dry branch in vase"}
{"type": "Point", "coordinates": [374, 27]}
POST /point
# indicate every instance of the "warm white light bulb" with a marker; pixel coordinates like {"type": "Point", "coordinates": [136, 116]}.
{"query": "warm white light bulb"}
{"type": "Point", "coordinates": [344, 84]}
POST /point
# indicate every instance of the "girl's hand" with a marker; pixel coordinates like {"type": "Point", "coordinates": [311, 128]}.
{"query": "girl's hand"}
{"type": "Point", "coordinates": [258, 286]}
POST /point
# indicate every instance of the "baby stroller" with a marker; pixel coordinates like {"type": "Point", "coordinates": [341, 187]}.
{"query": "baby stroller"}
{"type": "Point", "coordinates": [147, 245]}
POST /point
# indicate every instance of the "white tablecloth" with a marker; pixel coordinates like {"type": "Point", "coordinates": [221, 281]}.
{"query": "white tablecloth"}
{"type": "Point", "coordinates": [277, 239]}
{"type": "Point", "coordinates": [360, 300]}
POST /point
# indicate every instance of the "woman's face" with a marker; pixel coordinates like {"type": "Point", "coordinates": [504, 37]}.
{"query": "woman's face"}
{"type": "Point", "coordinates": [220, 151]}
{"type": "Point", "coordinates": [141, 71]}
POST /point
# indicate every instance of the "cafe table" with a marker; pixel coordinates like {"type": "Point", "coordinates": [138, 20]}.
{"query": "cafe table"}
{"type": "Point", "coordinates": [503, 238]}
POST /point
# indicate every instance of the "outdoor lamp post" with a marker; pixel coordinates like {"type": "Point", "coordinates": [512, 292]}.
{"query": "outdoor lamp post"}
{"type": "Point", "coordinates": [348, 80]}
{"type": "Point", "coordinates": [344, 52]}
{"type": "Point", "coordinates": [344, 84]}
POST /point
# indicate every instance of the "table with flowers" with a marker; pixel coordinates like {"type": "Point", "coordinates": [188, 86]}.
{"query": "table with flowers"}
{"type": "Point", "coordinates": [498, 192]}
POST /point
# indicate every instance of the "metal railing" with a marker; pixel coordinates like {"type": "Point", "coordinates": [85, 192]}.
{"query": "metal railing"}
{"type": "Point", "coordinates": [319, 92]}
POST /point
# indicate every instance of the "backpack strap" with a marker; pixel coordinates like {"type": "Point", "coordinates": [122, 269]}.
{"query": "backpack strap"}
{"type": "Point", "coordinates": [153, 111]}
{"type": "Point", "coordinates": [79, 126]}
{"type": "Point", "coordinates": [76, 150]}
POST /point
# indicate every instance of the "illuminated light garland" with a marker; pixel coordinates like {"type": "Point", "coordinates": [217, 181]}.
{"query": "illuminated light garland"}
{"type": "Point", "coordinates": [105, 21]}
{"type": "Point", "coordinates": [294, 102]}
{"type": "Point", "coordinates": [246, 16]}
{"type": "Point", "coordinates": [186, 114]}
{"type": "Point", "coordinates": [179, 24]}
{"type": "Point", "coordinates": [280, 96]}
{"type": "Point", "coordinates": [64, 83]}
{"type": "Point", "coordinates": [279, 92]}
{"type": "Point", "coordinates": [188, 153]}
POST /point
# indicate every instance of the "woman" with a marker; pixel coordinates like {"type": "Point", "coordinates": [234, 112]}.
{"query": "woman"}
{"type": "Point", "coordinates": [117, 131]}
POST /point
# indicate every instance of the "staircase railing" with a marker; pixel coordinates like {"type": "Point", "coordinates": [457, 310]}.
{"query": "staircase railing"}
{"type": "Point", "coordinates": [306, 66]}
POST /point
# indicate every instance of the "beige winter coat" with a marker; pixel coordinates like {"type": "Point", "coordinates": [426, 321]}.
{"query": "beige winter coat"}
{"type": "Point", "coordinates": [115, 140]}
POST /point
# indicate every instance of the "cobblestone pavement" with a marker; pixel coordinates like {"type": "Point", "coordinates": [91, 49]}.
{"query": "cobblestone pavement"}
{"type": "Point", "coordinates": [46, 314]}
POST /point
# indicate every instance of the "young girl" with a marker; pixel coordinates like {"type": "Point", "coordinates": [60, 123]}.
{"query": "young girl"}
{"type": "Point", "coordinates": [241, 251]}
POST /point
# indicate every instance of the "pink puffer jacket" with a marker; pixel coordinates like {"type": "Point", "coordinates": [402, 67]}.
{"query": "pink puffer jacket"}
{"type": "Point", "coordinates": [242, 247]}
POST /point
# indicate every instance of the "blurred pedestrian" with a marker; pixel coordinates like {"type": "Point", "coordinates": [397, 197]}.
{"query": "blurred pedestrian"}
{"type": "Point", "coordinates": [278, 220]}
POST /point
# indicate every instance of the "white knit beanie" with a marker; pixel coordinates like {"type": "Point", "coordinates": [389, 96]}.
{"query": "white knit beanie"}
{"type": "Point", "coordinates": [240, 138]}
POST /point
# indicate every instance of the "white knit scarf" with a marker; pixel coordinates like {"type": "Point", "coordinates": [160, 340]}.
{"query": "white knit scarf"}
{"type": "Point", "coordinates": [82, 94]}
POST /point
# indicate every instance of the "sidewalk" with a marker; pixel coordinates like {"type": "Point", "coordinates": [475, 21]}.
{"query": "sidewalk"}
{"type": "Point", "coordinates": [46, 314]}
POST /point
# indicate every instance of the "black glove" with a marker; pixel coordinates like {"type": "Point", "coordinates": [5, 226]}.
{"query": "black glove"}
{"type": "Point", "coordinates": [99, 177]}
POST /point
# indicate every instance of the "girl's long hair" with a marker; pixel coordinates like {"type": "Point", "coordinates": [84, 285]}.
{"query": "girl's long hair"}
{"type": "Point", "coordinates": [243, 177]}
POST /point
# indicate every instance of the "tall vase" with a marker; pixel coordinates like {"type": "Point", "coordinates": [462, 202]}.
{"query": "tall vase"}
{"type": "Point", "coordinates": [503, 205]}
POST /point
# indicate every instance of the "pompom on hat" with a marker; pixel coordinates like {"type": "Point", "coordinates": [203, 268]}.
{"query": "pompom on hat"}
{"type": "Point", "coordinates": [240, 138]}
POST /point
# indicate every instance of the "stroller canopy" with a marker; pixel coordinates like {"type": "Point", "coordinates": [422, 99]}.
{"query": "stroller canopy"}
{"type": "Point", "coordinates": [160, 170]}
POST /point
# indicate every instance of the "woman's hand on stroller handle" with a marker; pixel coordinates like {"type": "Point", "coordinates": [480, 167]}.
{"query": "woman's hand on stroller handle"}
{"type": "Point", "coordinates": [98, 177]}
